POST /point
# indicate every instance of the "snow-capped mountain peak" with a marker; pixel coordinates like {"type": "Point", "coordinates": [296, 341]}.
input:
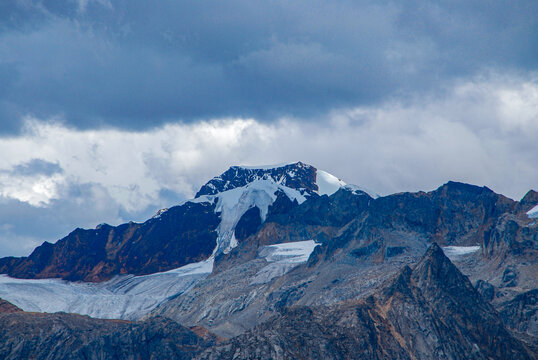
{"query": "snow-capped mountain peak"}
{"type": "Point", "coordinates": [297, 175]}
{"type": "Point", "coordinates": [241, 188]}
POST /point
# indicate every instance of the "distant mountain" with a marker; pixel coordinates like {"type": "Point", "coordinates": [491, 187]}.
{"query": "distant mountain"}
{"type": "Point", "coordinates": [258, 241]}
{"type": "Point", "coordinates": [183, 234]}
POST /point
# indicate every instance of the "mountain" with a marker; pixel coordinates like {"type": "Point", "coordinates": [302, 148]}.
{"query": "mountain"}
{"type": "Point", "coordinates": [256, 242]}
{"type": "Point", "coordinates": [362, 241]}
{"type": "Point", "coordinates": [429, 312]}
{"type": "Point", "coordinates": [179, 236]}
{"type": "Point", "coordinates": [175, 237]}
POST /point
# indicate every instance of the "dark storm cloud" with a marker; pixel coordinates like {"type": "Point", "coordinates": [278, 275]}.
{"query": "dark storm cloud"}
{"type": "Point", "coordinates": [137, 64]}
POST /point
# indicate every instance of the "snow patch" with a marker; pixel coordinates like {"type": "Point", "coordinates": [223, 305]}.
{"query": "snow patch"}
{"type": "Point", "coordinates": [533, 213]}
{"type": "Point", "coordinates": [327, 184]}
{"type": "Point", "coordinates": [282, 258]}
{"type": "Point", "coordinates": [358, 190]}
{"type": "Point", "coordinates": [292, 252]}
{"type": "Point", "coordinates": [457, 251]}
{"type": "Point", "coordinates": [123, 297]}
{"type": "Point", "coordinates": [232, 204]}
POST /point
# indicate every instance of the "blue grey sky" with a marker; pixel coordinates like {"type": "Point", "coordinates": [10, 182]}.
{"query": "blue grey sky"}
{"type": "Point", "coordinates": [110, 109]}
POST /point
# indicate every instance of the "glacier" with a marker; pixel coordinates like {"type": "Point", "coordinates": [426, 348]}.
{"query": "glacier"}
{"type": "Point", "coordinates": [453, 252]}
{"type": "Point", "coordinates": [131, 297]}
{"type": "Point", "coordinates": [122, 297]}
{"type": "Point", "coordinates": [282, 258]}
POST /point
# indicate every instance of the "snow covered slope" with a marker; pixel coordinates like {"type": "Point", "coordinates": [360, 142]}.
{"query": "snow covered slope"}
{"type": "Point", "coordinates": [327, 184]}
{"type": "Point", "coordinates": [123, 297]}
{"type": "Point", "coordinates": [533, 213]}
{"type": "Point", "coordinates": [234, 192]}
{"type": "Point", "coordinates": [454, 252]}
{"type": "Point", "coordinates": [282, 258]}
{"type": "Point", "coordinates": [232, 204]}
{"type": "Point", "coordinates": [243, 187]}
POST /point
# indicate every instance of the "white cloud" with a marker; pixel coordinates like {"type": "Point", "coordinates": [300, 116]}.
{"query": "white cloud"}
{"type": "Point", "coordinates": [483, 132]}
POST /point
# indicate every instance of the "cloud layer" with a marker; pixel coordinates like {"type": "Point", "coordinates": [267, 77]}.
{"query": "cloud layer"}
{"type": "Point", "coordinates": [137, 64]}
{"type": "Point", "coordinates": [56, 177]}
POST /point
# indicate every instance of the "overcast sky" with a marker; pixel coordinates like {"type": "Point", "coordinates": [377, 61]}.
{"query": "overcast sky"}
{"type": "Point", "coordinates": [111, 110]}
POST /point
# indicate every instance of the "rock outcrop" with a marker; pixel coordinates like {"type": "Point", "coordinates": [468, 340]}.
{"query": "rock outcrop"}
{"type": "Point", "coordinates": [63, 336]}
{"type": "Point", "coordinates": [179, 236]}
{"type": "Point", "coordinates": [429, 312]}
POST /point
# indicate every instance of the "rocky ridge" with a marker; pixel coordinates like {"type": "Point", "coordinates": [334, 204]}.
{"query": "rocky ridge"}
{"type": "Point", "coordinates": [177, 236]}
{"type": "Point", "coordinates": [430, 311]}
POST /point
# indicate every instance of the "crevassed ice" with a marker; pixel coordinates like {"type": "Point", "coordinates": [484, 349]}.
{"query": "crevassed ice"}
{"type": "Point", "coordinates": [232, 204]}
{"type": "Point", "coordinates": [123, 297]}
{"type": "Point", "coordinates": [282, 258]}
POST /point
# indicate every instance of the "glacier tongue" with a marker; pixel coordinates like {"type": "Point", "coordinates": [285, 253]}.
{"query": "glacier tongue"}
{"type": "Point", "coordinates": [123, 297]}
{"type": "Point", "coordinates": [232, 204]}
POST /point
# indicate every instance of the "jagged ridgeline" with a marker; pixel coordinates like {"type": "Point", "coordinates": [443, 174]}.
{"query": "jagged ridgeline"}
{"type": "Point", "coordinates": [288, 262]}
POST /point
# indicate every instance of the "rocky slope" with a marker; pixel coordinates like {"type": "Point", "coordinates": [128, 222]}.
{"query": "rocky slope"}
{"type": "Point", "coordinates": [183, 234]}
{"type": "Point", "coordinates": [430, 311]}
{"type": "Point", "coordinates": [69, 336]}
{"type": "Point", "coordinates": [179, 236]}
{"type": "Point", "coordinates": [363, 241]}
{"type": "Point", "coordinates": [8, 308]}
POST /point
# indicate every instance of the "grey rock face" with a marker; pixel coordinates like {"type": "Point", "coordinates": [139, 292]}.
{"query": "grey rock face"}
{"type": "Point", "coordinates": [485, 289]}
{"type": "Point", "coordinates": [521, 316]}
{"type": "Point", "coordinates": [296, 176]}
{"type": "Point", "coordinates": [509, 278]}
{"type": "Point", "coordinates": [68, 336]}
{"type": "Point", "coordinates": [430, 312]}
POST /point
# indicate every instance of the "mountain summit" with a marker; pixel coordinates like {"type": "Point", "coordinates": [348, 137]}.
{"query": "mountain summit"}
{"type": "Point", "coordinates": [190, 232]}
{"type": "Point", "coordinates": [299, 176]}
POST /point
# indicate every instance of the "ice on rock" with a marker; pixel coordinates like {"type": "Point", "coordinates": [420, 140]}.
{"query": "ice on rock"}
{"type": "Point", "coordinates": [232, 204]}
{"type": "Point", "coordinates": [533, 213]}
{"type": "Point", "coordinates": [282, 258]}
{"type": "Point", "coordinates": [453, 252]}
{"type": "Point", "coordinates": [123, 297]}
